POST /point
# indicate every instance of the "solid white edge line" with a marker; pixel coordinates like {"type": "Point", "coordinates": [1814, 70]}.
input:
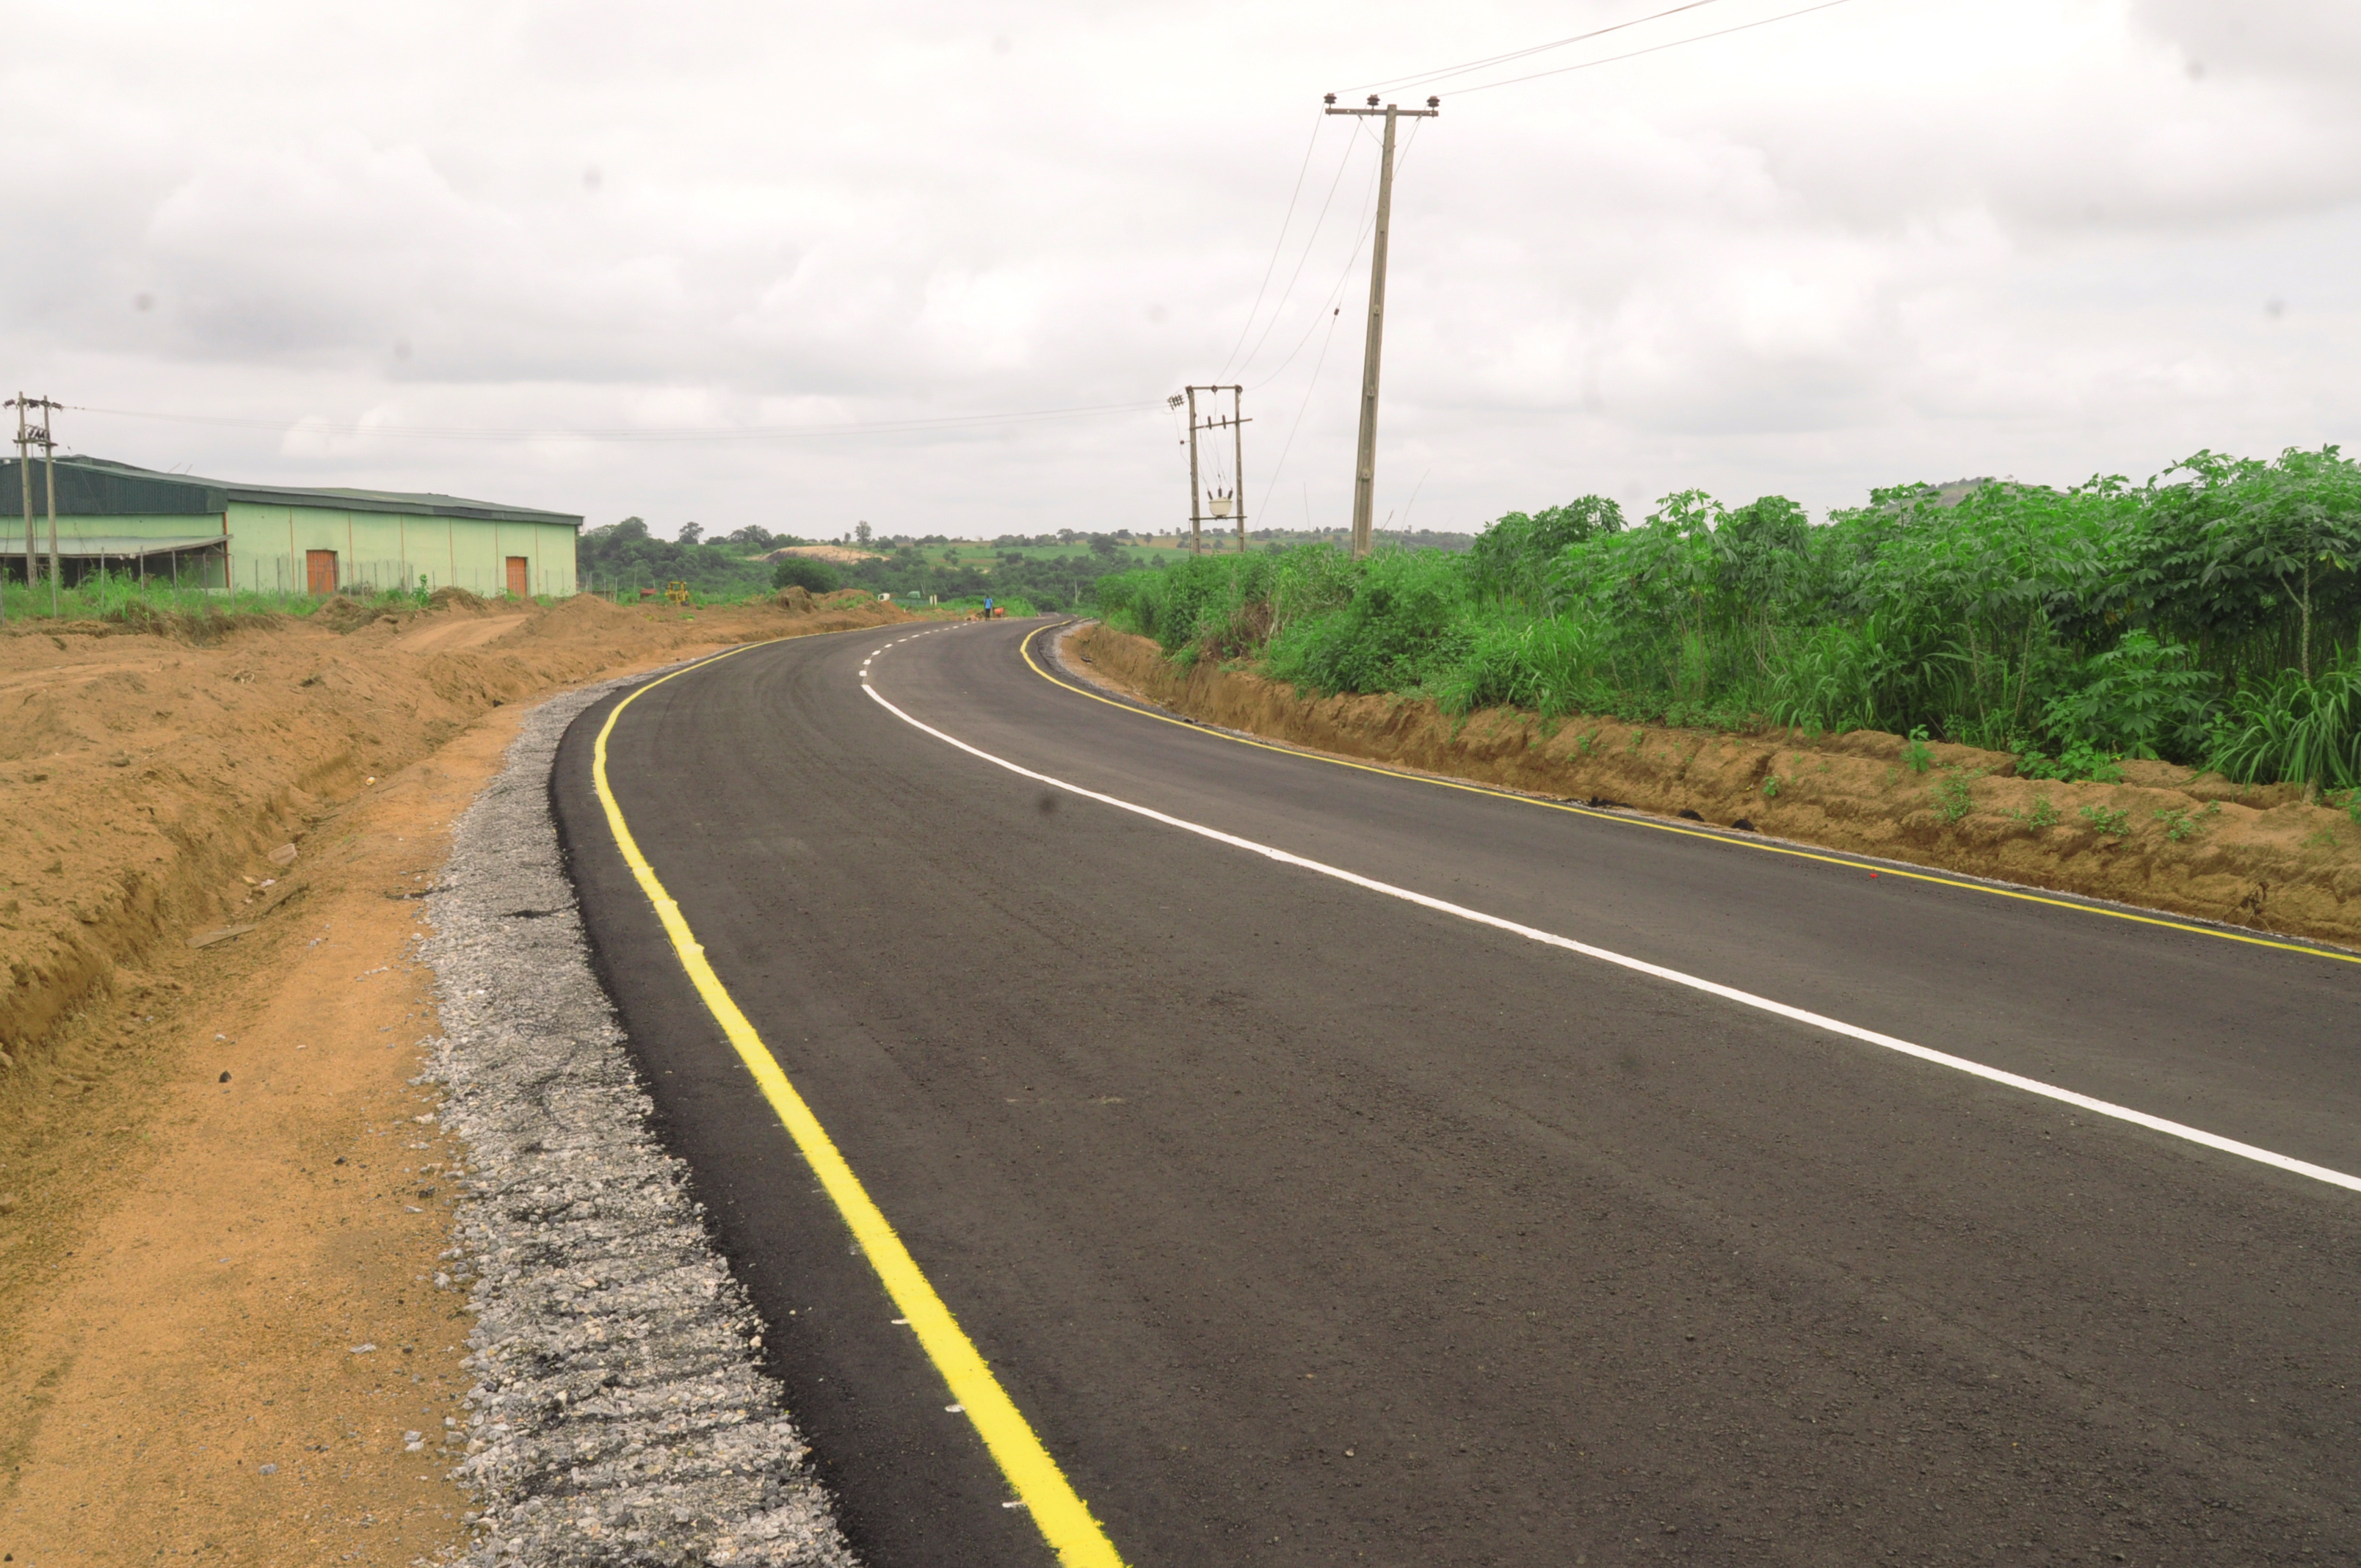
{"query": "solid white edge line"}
{"type": "Point", "coordinates": [1640, 965]}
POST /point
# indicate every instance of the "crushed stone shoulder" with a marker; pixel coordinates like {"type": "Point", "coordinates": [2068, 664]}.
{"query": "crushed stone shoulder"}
{"type": "Point", "coordinates": [620, 1413]}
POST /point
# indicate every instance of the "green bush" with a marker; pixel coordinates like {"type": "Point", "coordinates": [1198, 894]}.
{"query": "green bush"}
{"type": "Point", "coordinates": [804, 572]}
{"type": "Point", "coordinates": [1404, 625]}
{"type": "Point", "coordinates": [2208, 615]}
{"type": "Point", "coordinates": [2140, 698]}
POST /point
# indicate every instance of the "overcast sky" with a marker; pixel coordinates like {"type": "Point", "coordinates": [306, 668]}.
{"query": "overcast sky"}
{"type": "Point", "coordinates": [1889, 240]}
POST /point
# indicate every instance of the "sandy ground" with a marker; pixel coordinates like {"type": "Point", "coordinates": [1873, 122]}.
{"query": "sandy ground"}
{"type": "Point", "coordinates": [839, 552]}
{"type": "Point", "coordinates": [2260, 858]}
{"type": "Point", "coordinates": [223, 1202]}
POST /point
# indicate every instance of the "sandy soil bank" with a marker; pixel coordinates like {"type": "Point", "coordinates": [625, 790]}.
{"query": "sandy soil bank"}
{"type": "Point", "coordinates": [223, 1201]}
{"type": "Point", "coordinates": [2259, 858]}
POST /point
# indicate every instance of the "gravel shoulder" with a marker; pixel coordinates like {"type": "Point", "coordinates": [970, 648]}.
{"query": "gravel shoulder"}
{"type": "Point", "coordinates": [621, 1416]}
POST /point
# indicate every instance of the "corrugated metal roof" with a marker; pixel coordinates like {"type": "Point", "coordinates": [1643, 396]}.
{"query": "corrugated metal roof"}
{"type": "Point", "coordinates": [94, 487]}
{"type": "Point", "coordinates": [82, 547]}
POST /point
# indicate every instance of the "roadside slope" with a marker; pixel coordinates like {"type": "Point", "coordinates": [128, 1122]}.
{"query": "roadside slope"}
{"type": "Point", "coordinates": [215, 1185]}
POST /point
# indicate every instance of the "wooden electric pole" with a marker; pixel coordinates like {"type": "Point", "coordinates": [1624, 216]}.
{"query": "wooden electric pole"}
{"type": "Point", "coordinates": [28, 437]}
{"type": "Point", "coordinates": [1365, 463]}
{"type": "Point", "coordinates": [1196, 498]}
{"type": "Point", "coordinates": [25, 487]}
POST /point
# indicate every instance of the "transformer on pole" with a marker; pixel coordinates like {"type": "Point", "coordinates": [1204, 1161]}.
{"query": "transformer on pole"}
{"type": "Point", "coordinates": [1218, 504]}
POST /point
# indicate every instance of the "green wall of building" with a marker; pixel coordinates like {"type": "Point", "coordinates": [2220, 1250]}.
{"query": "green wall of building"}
{"type": "Point", "coordinates": [270, 545]}
{"type": "Point", "coordinates": [380, 540]}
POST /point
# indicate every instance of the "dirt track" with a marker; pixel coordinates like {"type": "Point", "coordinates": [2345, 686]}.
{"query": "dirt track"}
{"type": "Point", "coordinates": [189, 1262]}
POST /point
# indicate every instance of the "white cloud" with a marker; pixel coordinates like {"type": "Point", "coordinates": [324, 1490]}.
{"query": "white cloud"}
{"type": "Point", "coordinates": [1886, 241]}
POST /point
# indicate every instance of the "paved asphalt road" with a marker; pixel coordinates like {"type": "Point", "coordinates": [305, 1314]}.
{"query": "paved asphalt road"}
{"type": "Point", "coordinates": [1309, 1225]}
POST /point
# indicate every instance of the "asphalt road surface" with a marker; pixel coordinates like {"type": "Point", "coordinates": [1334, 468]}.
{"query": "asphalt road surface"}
{"type": "Point", "coordinates": [1307, 1225]}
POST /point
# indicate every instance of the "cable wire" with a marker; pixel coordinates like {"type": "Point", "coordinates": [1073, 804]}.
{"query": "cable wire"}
{"type": "Point", "coordinates": [1654, 49]}
{"type": "Point", "coordinates": [1447, 72]}
{"type": "Point", "coordinates": [1342, 163]}
{"type": "Point", "coordinates": [1369, 227]}
{"type": "Point", "coordinates": [628, 437]}
{"type": "Point", "coordinates": [1289, 445]}
{"type": "Point", "coordinates": [1278, 247]}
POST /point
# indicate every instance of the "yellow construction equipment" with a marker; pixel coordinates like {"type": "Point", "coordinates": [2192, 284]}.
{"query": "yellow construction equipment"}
{"type": "Point", "coordinates": [676, 593]}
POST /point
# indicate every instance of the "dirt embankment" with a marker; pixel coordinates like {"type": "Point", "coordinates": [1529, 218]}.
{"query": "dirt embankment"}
{"type": "Point", "coordinates": [226, 1326]}
{"type": "Point", "coordinates": [2259, 857]}
{"type": "Point", "coordinates": [148, 776]}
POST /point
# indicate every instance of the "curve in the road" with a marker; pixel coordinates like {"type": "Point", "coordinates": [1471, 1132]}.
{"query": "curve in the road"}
{"type": "Point", "coordinates": [1676, 977]}
{"type": "Point", "coordinates": [1309, 1225]}
{"type": "Point", "coordinates": [1732, 840]}
{"type": "Point", "coordinates": [1041, 1487]}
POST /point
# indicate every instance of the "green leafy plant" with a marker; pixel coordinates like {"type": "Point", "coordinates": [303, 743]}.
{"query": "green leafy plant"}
{"type": "Point", "coordinates": [1917, 756]}
{"type": "Point", "coordinates": [2180, 824]}
{"type": "Point", "coordinates": [2080, 762]}
{"type": "Point", "coordinates": [2103, 820]}
{"type": "Point", "coordinates": [1588, 741]}
{"type": "Point", "coordinates": [2139, 699]}
{"type": "Point", "coordinates": [2205, 616]}
{"type": "Point", "coordinates": [2295, 728]}
{"type": "Point", "coordinates": [1953, 800]}
{"type": "Point", "coordinates": [1773, 786]}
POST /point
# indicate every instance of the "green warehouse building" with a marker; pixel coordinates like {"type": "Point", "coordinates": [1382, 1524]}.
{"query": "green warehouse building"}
{"type": "Point", "coordinates": [114, 518]}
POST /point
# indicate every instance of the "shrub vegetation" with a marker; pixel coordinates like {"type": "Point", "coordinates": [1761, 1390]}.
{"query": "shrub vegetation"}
{"type": "Point", "coordinates": [2206, 618]}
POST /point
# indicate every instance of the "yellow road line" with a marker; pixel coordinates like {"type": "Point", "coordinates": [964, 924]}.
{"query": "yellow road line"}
{"type": "Point", "coordinates": [1026, 648]}
{"type": "Point", "coordinates": [1064, 1517]}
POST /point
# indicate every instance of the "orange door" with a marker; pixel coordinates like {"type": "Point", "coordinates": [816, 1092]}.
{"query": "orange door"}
{"type": "Point", "coordinates": [519, 581]}
{"type": "Point", "coordinates": [319, 571]}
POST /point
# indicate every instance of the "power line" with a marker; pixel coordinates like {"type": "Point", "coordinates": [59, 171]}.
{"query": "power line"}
{"type": "Point", "coordinates": [1289, 445]}
{"type": "Point", "coordinates": [1653, 48]}
{"type": "Point", "coordinates": [636, 437]}
{"type": "Point", "coordinates": [1279, 245]}
{"type": "Point", "coordinates": [1345, 274]}
{"type": "Point", "coordinates": [1344, 163]}
{"type": "Point", "coordinates": [1447, 72]}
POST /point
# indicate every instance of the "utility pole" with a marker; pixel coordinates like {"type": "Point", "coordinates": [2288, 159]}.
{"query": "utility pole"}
{"type": "Point", "coordinates": [1196, 519]}
{"type": "Point", "coordinates": [25, 486]}
{"type": "Point", "coordinates": [27, 437]}
{"type": "Point", "coordinates": [1365, 465]}
{"type": "Point", "coordinates": [50, 466]}
{"type": "Point", "coordinates": [1200, 501]}
{"type": "Point", "coordinates": [1235, 503]}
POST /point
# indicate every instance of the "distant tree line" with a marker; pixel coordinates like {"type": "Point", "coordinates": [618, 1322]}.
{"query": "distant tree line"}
{"type": "Point", "coordinates": [626, 555]}
{"type": "Point", "coordinates": [1050, 583]}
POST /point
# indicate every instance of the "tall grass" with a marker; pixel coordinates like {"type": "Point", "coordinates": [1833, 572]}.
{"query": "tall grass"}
{"type": "Point", "coordinates": [2207, 616]}
{"type": "Point", "coordinates": [114, 597]}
